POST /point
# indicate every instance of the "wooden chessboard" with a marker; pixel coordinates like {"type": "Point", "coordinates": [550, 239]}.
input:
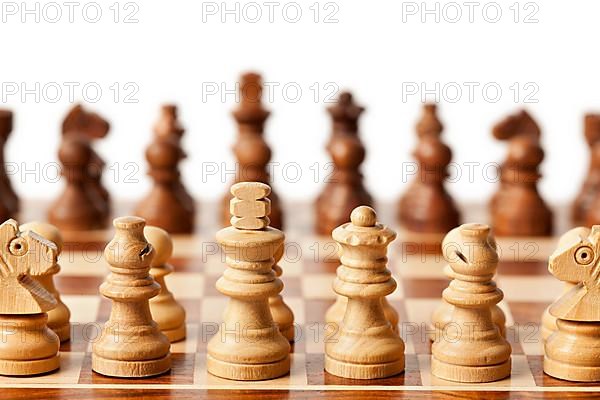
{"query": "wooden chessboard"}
{"type": "Point", "coordinates": [309, 268]}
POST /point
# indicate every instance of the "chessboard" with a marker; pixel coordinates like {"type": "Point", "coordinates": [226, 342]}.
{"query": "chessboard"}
{"type": "Point", "coordinates": [309, 268]}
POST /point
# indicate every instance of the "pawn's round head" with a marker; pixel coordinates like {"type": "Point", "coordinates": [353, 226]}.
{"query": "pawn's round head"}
{"type": "Point", "coordinates": [162, 243]}
{"type": "Point", "coordinates": [363, 216]}
{"type": "Point", "coordinates": [45, 230]}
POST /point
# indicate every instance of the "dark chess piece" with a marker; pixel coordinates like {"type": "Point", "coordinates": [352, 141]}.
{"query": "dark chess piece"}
{"type": "Point", "coordinates": [9, 201]}
{"type": "Point", "coordinates": [344, 189]}
{"type": "Point", "coordinates": [168, 125]}
{"type": "Point", "coordinates": [75, 209]}
{"type": "Point", "coordinates": [168, 205]}
{"type": "Point", "coordinates": [426, 206]}
{"type": "Point", "coordinates": [251, 150]}
{"type": "Point", "coordinates": [517, 208]}
{"type": "Point", "coordinates": [590, 190]}
{"type": "Point", "coordinates": [80, 128]}
{"type": "Point", "coordinates": [82, 122]}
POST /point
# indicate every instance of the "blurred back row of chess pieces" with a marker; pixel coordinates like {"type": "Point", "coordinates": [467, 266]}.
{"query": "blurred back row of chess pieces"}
{"type": "Point", "coordinates": [517, 208]}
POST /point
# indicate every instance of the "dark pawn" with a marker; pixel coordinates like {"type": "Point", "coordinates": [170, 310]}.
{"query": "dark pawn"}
{"type": "Point", "coordinates": [344, 189]}
{"type": "Point", "coordinates": [426, 206]}
{"type": "Point", "coordinates": [168, 126]}
{"type": "Point", "coordinates": [165, 206]}
{"type": "Point", "coordinates": [590, 191]}
{"type": "Point", "coordinates": [75, 209]}
{"type": "Point", "coordinates": [251, 150]}
{"type": "Point", "coordinates": [517, 208]}
{"type": "Point", "coordinates": [9, 201]}
{"type": "Point", "coordinates": [90, 127]}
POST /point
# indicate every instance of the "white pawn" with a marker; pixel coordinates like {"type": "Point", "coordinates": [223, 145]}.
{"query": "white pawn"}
{"type": "Point", "coordinates": [282, 313]}
{"type": "Point", "coordinates": [58, 318]}
{"type": "Point", "coordinates": [166, 311]}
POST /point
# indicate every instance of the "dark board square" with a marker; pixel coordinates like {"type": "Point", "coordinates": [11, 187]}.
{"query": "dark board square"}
{"type": "Point", "coordinates": [525, 313]}
{"type": "Point", "coordinates": [529, 268]}
{"type": "Point", "coordinates": [82, 334]}
{"type": "Point", "coordinates": [187, 264]}
{"type": "Point", "coordinates": [423, 288]}
{"type": "Point", "coordinates": [88, 285]}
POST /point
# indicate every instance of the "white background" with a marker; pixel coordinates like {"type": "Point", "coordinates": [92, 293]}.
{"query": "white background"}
{"type": "Point", "coordinates": [170, 54]}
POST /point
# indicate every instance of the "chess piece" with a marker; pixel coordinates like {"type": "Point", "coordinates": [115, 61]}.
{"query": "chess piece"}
{"type": "Point", "coordinates": [75, 209]}
{"type": "Point", "coordinates": [58, 317]}
{"type": "Point", "coordinates": [590, 190]}
{"type": "Point", "coordinates": [442, 316]}
{"type": "Point", "coordinates": [426, 206]}
{"type": "Point", "coordinates": [548, 320]}
{"type": "Point", "coordinates": [168, 205]}
{"type": "Point", "coordinates": [335, 313]}
{"type": "Point", "coordinates": [367, 347]}
{"type": "Point", "coordinates": [344, 189]}
{"type": "Point", "coordinates": [9, 202]}
{"type": "Point", "coordinates": [585, 207]}
{"type": "Point", "coordinates": [90, 127]}
{"type": "Point", "coordinates": [572, 352]}
{"type": "Point", "coordinates": [28, 346]}
{"type": "Point", "coordinates": [477, 352]}
{"type": "Point", "coordinates": [166, 311]}
{"type": "Point", "coordinates": [567, 239]}
{"type": "Point", "coordinates": [168, 126]}
{"type": "Point", "coordinates": [517, 208]}
{"type": "Point", "coordinates": [282, 313]}
{"type": "Point", "coordinates": [249, 346]}
{"type": "Point", "coordinates": [131, 344]}
{"type": "Point", "coordinates": [85, 203]}
{"type": "Point", "coordinates": [251, 150]}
